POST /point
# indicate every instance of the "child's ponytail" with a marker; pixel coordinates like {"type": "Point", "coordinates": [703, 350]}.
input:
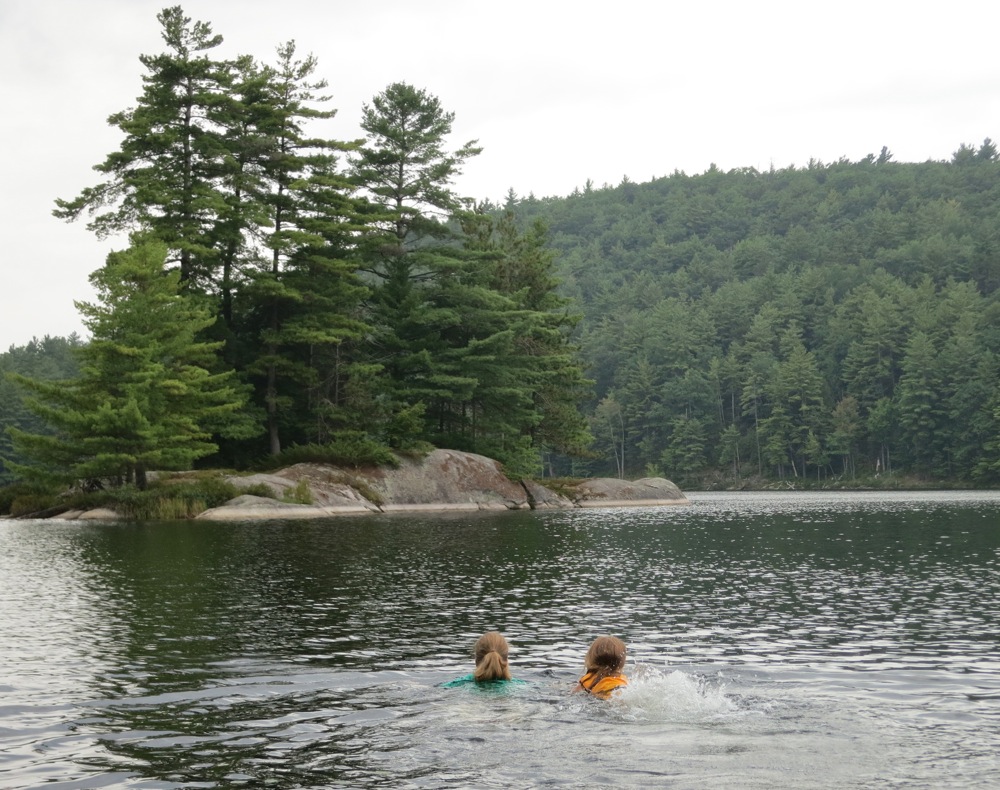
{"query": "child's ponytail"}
{"type": "Point", "coordinates": [492, 667]}
{"type": "Point", "coordinates": [491, 658]}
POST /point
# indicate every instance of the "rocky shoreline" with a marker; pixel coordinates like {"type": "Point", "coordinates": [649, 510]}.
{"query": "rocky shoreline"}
{"type": "Point", "coordinates": [442, 481]}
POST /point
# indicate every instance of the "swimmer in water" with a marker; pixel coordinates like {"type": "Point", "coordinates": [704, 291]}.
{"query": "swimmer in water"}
{"type": "Point", "coordinates": [490, 652]}
{"type": "Point", "coordinates": [604, 663]}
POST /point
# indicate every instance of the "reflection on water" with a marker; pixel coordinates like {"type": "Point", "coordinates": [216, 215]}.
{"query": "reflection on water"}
{"type": "Point", "coordinates": [776, 640]}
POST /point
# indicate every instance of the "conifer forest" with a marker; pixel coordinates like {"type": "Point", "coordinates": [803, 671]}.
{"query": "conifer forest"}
{"type": "Point", "coordinates": [832, 324]}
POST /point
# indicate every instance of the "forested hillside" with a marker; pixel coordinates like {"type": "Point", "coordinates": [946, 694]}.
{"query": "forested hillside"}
{"type": "Point", "coordinates": [834, 320]}
{"type": "Point", "coordinates": [290, 295]}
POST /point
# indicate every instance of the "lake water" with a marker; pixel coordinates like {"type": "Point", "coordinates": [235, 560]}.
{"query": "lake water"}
{"type": "Point", "coordinates": [775, 641]}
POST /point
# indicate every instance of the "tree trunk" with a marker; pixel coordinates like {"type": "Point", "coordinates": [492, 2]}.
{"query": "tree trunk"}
{"type": "Point", "coordinates": [272, 410]}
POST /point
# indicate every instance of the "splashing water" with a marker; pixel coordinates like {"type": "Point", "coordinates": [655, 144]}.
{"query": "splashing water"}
{"type": "Point", "coordinates": [654, 695]}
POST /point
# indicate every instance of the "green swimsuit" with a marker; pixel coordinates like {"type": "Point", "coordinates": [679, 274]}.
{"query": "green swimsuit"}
{"type": "Point", "coordinates": [486, 684]}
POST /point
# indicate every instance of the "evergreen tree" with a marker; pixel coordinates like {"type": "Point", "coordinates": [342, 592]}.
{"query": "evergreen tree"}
{"type": "Point", "coordinates": [729, 449]}
{"type": "Point", "coordinates": [684, 457]}
{"type": "Point", "coordinates": [301, 303]}
{"type": "Point", "coordinates": [321, 337]}
{"type": "Point", "coordinates": [846, 431]}
{"type": "Point", "coordinates": [147, 396]}
{"type": "Point", "coordinates": [166, 176]}
{"type": "Point", "coordinates": [528, 381]}
{"type": "Point", "coordinates": [406, 166]}
{"type": "Point", "coordinates": [413, 261]}
{"type": "Point", "coordinates": [610, 431]}
{"type": "Point", "coordinates": [871, 366]}
{"type": "Point", "coordinates": [798, 387]}
{"type": "Point", "coordinates": [920, 410]}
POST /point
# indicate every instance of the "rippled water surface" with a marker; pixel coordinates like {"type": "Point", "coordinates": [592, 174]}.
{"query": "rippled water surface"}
{"type": "Point", "coordinates": [776, 641]}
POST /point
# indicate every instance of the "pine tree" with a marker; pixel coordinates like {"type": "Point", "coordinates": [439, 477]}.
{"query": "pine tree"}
{"type": "Point", "coordinates": [919, 396]}
{"type": "Point", "coordinates": [165, 178]}
{"type": "Point", "coordinates": [534, 385]}
{"type": "Point", "coordinates": [147, 396]}
{"type": "Point", "coordinates": [301, 302]}
{"type": "Point", "coordinates": [413, 260]}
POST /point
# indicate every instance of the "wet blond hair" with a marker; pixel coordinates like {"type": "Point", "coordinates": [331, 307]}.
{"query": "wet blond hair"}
{"type": "Point", "coordinates": [605, 657]}
{"type": "Point", "coordinates": [491, 658]}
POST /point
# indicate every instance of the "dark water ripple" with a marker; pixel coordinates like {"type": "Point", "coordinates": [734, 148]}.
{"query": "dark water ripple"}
{"type": "Point", "coordinates": [776, 641]}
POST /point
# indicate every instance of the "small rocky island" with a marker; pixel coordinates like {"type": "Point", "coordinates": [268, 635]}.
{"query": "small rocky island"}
{"type": "Point", "coordinates": [443, 480]}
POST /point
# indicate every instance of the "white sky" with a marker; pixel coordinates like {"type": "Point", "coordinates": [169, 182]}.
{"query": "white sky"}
{"type": "Point", "coordinates": [556, 91]}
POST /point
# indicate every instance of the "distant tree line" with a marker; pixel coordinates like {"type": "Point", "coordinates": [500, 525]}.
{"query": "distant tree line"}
{"type": "Point", "coordinates": [837, 320]}
{"type": "Point", "coordinates": [49, 359]}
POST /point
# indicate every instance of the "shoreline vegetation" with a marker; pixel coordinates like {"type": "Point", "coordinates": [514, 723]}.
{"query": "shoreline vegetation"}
{"type": "Point", "coordinates": [443, 481]}
{"type": "Point", "coordinates": [164, 505]}
{"type": "Point", "coordinates": [440, 481]}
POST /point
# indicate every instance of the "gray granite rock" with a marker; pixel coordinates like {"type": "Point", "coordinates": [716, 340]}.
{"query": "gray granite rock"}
{"type": "Point", "coordinates": [445, 477]}
{"type": "Point", "coordinates": [612, 492]}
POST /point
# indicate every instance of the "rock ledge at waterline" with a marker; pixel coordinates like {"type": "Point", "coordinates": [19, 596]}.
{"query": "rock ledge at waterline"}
{"type": "Point", "coordinates": [444, 480]}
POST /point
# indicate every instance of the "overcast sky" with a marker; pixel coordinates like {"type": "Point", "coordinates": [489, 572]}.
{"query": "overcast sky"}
{"type": "Point", "coordinates": [555, 91]}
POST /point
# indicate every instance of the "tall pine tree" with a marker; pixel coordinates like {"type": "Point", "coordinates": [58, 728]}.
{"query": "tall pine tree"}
{"type": "Point", "coordinates": [413, 259]}
{"type": "Point", "coordinates": [166, 176]}
{"type": "Point", "coordinates": [301, 302]}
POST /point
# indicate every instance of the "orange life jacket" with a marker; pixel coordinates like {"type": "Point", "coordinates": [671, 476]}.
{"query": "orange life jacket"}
{"type": "Point", "coordinates": [602, 688]}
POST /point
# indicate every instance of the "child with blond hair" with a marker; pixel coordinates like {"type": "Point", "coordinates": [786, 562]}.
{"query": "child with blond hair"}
{"type": "Point", "coordinates": [490, 652]}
